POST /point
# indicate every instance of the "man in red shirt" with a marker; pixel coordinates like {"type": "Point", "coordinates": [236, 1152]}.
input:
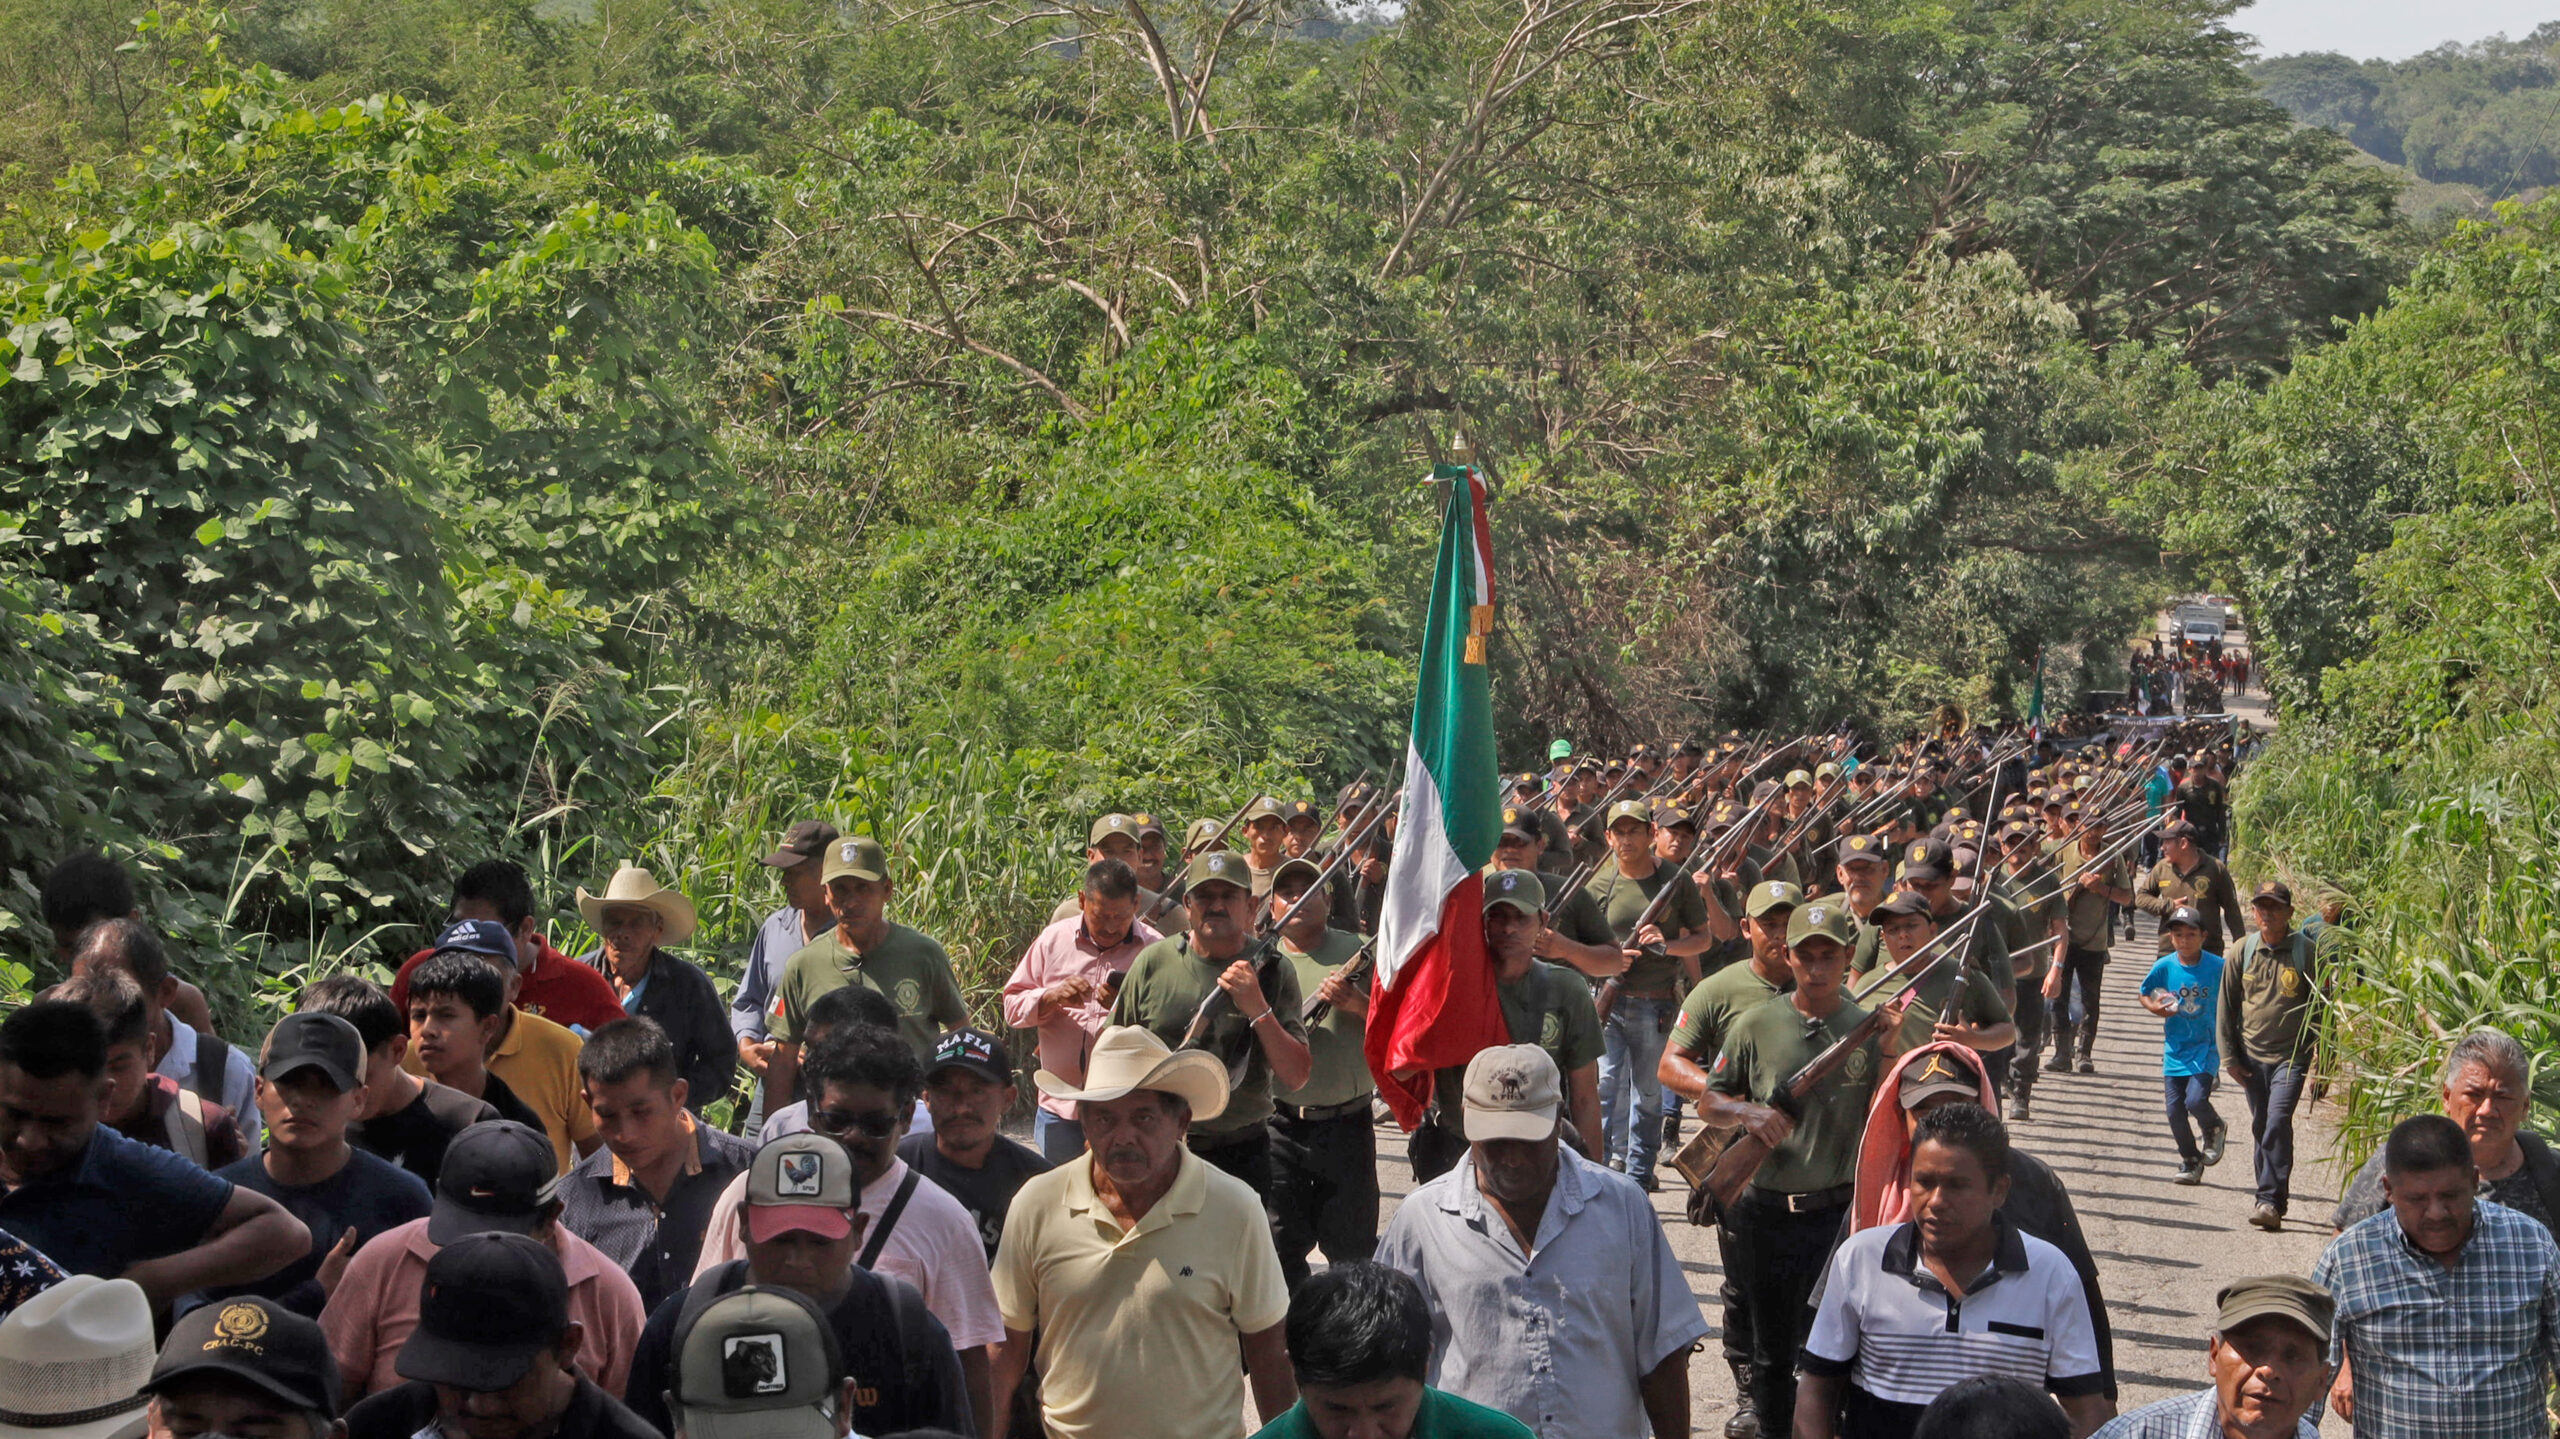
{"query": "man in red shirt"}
{"type": "Point", "coordinates": [553, 985]}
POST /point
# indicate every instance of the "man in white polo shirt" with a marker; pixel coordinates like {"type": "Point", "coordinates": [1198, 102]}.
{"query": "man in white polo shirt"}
{"type": "Point", "coordinates": [1909, 1309]}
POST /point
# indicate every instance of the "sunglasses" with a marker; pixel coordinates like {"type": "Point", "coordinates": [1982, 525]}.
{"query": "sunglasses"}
{"type": "Point", "coordinates": [838, 1122]}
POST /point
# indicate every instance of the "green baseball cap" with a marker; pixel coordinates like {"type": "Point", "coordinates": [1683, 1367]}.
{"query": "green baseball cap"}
{"type": "Point", "coordinates": [1312, 870]}
{"type": "Point", "coordinates": [1772, 894]}
{"type": "Point", "coordinates": [1561, 749]}
{"type": "Point", "coordinates": [1826, 917]}
{"type": "Point", "coordinates": [1203, 831]}
{"type": "Point", "coordinates": [2287, 1296]}
{"type": "Point", "coordinates": [1264, 807]}
{"type": "Point", "coordinates": [1517, 888]}
{"type": "Point", "coordinates": [1123, 825]}
{"type": "Point", "coordinates": [859, 856]}
{"type": "Point", "coordinates": [1219, 866]}
{"type": "Point", "coordinates": [1635, 809]}
{"type": "Point", "coordinates": [1799, 777]}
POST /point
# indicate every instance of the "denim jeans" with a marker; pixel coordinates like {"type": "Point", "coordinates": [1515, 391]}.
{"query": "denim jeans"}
{"type": "Point", "coordinates": [1631, 1081]}
{"type": "Point", "coordinates": [2190, 1099]}
{"type": "Point", "coordinates": [2274, 1090]}
{"type": "Point", "coordinates": [1058, 1140]}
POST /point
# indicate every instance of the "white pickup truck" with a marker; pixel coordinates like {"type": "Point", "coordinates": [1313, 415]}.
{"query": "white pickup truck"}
{"type": "Point", "coordinates": [2199, 624]}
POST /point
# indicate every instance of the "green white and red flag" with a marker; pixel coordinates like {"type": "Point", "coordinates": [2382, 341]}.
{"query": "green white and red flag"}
{"type": "Point", "coordinates": [1433, 1004]}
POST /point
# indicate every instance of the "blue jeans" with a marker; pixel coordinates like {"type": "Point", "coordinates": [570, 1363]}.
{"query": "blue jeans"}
{"type": "Point", "coordinates": [2274, 1090]}
{"type": "Point", "coordinates": [2190, 1098]}
{"type": "Point", "coordinates": [1631, 1060]}
{"type": "Point", "coordinates": [1058, 1140]}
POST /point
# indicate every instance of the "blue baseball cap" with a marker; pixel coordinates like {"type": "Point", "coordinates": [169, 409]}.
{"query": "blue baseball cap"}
{"type": "Point", "coordinates": [484, 937]}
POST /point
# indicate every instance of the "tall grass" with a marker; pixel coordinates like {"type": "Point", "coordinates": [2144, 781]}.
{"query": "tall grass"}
{"type": "Point", "coordinates": [2449, 860]}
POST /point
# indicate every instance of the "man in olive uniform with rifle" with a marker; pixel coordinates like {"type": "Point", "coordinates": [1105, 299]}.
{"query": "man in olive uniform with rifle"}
{"type": "Point", "coordinates": [1575, 934]}
{"type": "Point", "coordinates": [1324, 1150]}
{"type": "Point", "coordinates": [1795, 1078]}
{"type": "Point", "coordinates": [1659, 919]}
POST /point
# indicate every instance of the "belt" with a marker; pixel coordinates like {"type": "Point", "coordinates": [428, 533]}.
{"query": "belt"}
{"type": "Point", "coordinates": [1254, 1133]}
{"type": "Point", "coordinates": [1304, 1115]}
{"type": "Point", "coordinates": [1811, 1201]}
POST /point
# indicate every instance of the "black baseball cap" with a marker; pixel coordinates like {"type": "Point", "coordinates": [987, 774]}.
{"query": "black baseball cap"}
{"type": "Point", "coordinates": [258, 1342]}
{"type": "Point", "coordinates": [1899, 903]}
{"type": "Point", "coordinates": [1927, 859]}
{"type": "Point", "coordinates": [490, 1303]}
{"type": "Point", "coordinates": [498, 1177]}
{"type": "Point", "coordinates": [309, 1039]}
{"type": "Point", "coordinates": [1516, 824]}
{"type": "Point", "coordinates": [971, 1049]}
{"type": "Point", "coordinates": [2274, 891]}
{"type": "Point", "coordinates": [802, 843]}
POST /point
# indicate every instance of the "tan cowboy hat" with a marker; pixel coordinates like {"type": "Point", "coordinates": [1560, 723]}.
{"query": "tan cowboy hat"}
{"type": "Point", "coordinates": [632, 885]}
{"type": "Point", "coordinates": [1127, 1059]}
{"type": "Point", "coordinates": [73, 1360]}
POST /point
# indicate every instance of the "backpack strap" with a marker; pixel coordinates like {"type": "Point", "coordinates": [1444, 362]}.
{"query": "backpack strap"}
{"type": "Point", "coordinates": [185, 1120]}
{"type": "Point", "coordinates": [879, 1239]}
{"type": "Point", "coordinates": [213, 1066]}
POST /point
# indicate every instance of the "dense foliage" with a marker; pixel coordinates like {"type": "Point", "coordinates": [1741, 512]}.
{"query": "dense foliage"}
{"type": "Point", "coordinates": [2474, 119]}
{"type": "Point", "coordinates": [606, 431]}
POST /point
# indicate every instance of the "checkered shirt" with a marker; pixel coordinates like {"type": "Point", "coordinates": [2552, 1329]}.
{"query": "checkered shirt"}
{"type": "Point", "coordinates": [2447, 1353]}
{"type": "Point", "coordinates": [2196, 1416]}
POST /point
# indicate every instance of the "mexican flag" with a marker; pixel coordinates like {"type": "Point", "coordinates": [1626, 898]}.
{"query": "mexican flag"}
{"type": "Point", "coordinates": [1433, 1003]}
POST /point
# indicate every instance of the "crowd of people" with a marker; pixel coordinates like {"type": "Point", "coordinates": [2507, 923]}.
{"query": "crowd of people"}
{"type": "Point", "coordinates": [1814, 984]}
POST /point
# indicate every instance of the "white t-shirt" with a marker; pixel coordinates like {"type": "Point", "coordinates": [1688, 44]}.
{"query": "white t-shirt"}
{"type": "Point", "coordinates": [1887, 1323]}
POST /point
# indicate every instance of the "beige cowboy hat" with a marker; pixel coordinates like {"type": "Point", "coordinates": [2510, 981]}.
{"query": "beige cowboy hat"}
{"type": "Point", "coordinates": [74, 1359]}
{"type": "Point", "coordinates": [632, 885]}
{"type": "Point", "coordinates": [1127, 1059]}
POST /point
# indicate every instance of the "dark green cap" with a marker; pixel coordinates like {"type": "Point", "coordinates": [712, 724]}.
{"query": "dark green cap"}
{"type": "Point", "coordinates": [1771, 894]}
{"type": "Point", "coordinates": [2287, 1296]}
{"type": "Point", "coordinates": [1826, 917]}
{"type": "Point", "coordinates": [1518, 888]}
{"type": "Point", "coordinates": [1219, 866]}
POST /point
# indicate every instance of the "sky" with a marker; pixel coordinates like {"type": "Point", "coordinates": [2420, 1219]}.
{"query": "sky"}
{"type": "Point", "coordinates": [2385, 29]}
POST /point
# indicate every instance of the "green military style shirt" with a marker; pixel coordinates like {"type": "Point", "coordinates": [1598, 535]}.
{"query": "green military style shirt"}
{"type": "Point", "coordinates": [2267, 998]}
{"type": "Point", "coordinates": [1555, 855]}
{"type": "Point", "coordinates": [1167, 983]}
{"type": "Point", "coordinates": [1550, 1007]}
{"type": "Point", "coordinates": [1622, 899]}
{"type": "Point", "coordinates": [2035, 919]}
{"type": "Point", "coordinates": [1341, 1071]}
{"type": "Point", "coordinates": [1575, 916]}
{"type": "Point", "coordinates": [906, 965]}
{"type": "Point", "coordinates": [1707, 1015]}
{"type": "Point", "coordinates": [1958, 989]}
{"type": "Point", "coordinates": [1768, 1045]}
{"type": "Point", "coordinates": [2089, 907]}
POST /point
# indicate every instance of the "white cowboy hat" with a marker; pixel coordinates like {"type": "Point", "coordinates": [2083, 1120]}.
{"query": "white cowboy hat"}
{"type": "Point", "coordinates": [73, 1360]}
{"type": "Point", "coordinates": [632, 885]}
{"type": "Point", "coordinates": [1128, 1058]}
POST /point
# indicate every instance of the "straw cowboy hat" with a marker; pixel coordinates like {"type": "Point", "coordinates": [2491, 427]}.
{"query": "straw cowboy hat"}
{"type": "Point", "coordinates": [73, 1361]}
{"type": "Point", "coordinates": [1128, 1058]}
{"type": "Point", "coordinates": [632, 885]}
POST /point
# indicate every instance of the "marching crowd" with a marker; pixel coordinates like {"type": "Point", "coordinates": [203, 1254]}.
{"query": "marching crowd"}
{"type": "Point", "coordinates": [1816, 986]}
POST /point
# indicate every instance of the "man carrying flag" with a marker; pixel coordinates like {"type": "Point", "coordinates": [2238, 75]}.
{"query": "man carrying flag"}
{"type": "Point", "coordinates": [1434, 1005]}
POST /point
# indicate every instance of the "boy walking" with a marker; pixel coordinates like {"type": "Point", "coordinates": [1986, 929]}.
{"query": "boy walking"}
{"type": "Point", "coordinates": [2185, 990]}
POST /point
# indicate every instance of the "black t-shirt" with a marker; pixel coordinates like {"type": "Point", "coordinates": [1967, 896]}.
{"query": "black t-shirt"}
{"type": "Point", "coordinates": [905, 1373]}
{"type": "Point", "coordinates": [987, 1193]}
{"type": "Point", "coordinates": [415, 1137]}
{"type": "Point", "coordinates": [502, 1099]}
{"type": "Point", "coordinates": [368, 1195]}
{"type": "Point", "coordinates": [401, 1412]}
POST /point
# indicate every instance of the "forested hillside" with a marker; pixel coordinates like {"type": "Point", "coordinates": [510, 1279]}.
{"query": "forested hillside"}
{"type": "Point", "coordinates": [2474, 123]}
{"type": "Point", "coordinates": [463, 426]}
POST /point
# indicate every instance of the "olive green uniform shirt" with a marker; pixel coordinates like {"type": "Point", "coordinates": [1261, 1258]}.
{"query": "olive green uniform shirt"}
{"type": "Point", "coordinates": [1707, 1015]}
{"type": "Point", "coordinates": [1576, 916]}
{"type": "Point", "coordinates": [2035, 920]}
{"type": "Point", "coordinates": [1167, 983]}
{"type": "Point", "coordinates": [2267, 998]}
{"type": "Point", "coordinates": [1341, 1071]}
{"type": "Point", "coordinates": [1622, 900]}
{"type": "Point", "coordinates": [1550, 1007]}
{"type": "Point", "coordinates": [1768, 1045]}
{"type": "Point", "coordinates": [1958, 989]}
{"type": "Point", "coordinates": [908, 967]}
{"type": "Point", "coordinates": [2089, 906]}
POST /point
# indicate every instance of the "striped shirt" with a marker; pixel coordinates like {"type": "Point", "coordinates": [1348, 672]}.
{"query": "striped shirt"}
{"type": "Point", "coordinates": [2196, 1416]}
{"type": "Point", "coordinates": [1900, 1337]}
{"type": "Point", "coordinates": [2448, 1353]}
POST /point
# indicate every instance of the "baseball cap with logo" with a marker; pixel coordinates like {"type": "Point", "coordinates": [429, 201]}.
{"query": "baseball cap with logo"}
{"type": "Point", "coordinates": [1935, 1075]}
{"type": "Point", "coordinates": [801, 843]}
{"type": "Point", "coordinates": [312, 1040]}
{"type": "Point", "coordinates": [1825, 918]}
{"type": "Point", "coordinates": [974, 1050]}
{"type": "Point", "coordinates": [1516, 824]}
{"type": "Point", "coordinates": [859, 856]}
{"type": "Point", "coordinates": [2273, 891]}
{"type": "Point", "coordinates": [2182, 914]}
{"type": "Point", "coordinates": [257, 1341]}
{"type": "Point", "coordinates": [1927, 859]}
{"type": "Point", "coordinates": [484, 937]}
{"type": "Point", "coordinates": [1517, 888]}
{"type": "Point", "coordinates": [1204, 832]}
{"type": "Point", "coordinates": [1513, 1091]}
{"type": "Point", "coordinates": [1123, 825]}
{"type": "Point", "coordinates": [1672, 816]}
{"type": "Point", "coordinates": [1560, 749]}
{"type": "Point", "coordinates": [1900, 903]}
{"type": "Point", "coordinates": [498, 1176]}
{"type": "Point", "coordinates": [800, 1182]}
{"type": "Point", "coordinates": [1771, 894]}
{"type": "Point", "coordinates": [758, 1363]}
{"type": "Point", "coordinates": [1148, 825]}
{"type": "Point", "coordinates": [1219, 866]}
{"type": "Point", "coordinates": [1865, 849]}
{"type": "Point", "coordinates": [1303, 809]}
{"type": "Point", "coordinates": [1634, 809]}
{"type": "Point", "coordinates": [1263, 807]}
{"type": "Point", "coordinates": [489, 1304]}
{"type": "Point", "coordinates": [1797, 777]}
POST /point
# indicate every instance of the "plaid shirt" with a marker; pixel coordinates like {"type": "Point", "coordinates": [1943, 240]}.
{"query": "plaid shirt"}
{"type": "Point", "coordinates": [2197, 1416]}
{"type": "Point", "coordinates": [2447, 1353]}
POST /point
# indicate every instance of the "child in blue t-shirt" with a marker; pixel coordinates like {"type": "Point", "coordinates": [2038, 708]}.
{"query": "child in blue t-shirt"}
{"type": "Point", "coordinates": [2185, 989]}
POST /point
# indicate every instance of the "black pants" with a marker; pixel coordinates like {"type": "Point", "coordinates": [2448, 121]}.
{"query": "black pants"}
{"type": "Point", "coordinates": [1324, 1188]}
{"type": "Point", "coordinates": [1737, 1312]}
{"type": "Point", "coordinates": [1778, 1254]}
{"type": "Point", "coordinates": [1247, 1156]}
{"type": "Point", "coordinates": [2031, 1014]}
{"type": "Point", "coordinates": [1433, 1150]}
{"type": "Point", "coordinates": [2086, 969]}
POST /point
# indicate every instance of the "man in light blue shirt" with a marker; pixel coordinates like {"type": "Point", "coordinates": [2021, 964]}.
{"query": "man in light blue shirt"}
{"type": "Point", "coordinates": [805, 914]}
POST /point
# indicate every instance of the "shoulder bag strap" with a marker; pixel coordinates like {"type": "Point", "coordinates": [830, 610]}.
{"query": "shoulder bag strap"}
{"type": "Point", "coordinates": [879, 1238]}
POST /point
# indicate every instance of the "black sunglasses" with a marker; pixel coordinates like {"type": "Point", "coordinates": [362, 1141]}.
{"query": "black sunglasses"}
{"type": "Point", "coordinates": [837, 1122]}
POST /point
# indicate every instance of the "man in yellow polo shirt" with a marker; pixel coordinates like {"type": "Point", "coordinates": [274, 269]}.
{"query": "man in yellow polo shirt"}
{"type": "Point", "coordinates": [1140, 1267]}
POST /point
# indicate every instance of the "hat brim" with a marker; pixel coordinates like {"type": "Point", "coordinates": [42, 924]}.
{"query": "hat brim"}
{"type": "Point", "coordinates": [264, 1383]}
{"type": "Point", "coordinates": [797, 1421]}
{"type": "Point", "coordinates": [785, 859]}
{"type": "Point", "coordinates": [480, 1368]}
{"type": "Point", "coordinates": [274, 1070]}
{"type": "Point", "coordinates": [2247, 1310]}
{"type": "Point", "coordinates": [136, 1420]}
{"type": "Point", "coordinates": [978, 1067]}
{"type": "Point", "coordinates": [768, 1222]}
{"type": "Point", "coordinates": [673, 910]}
{"type": "Point", "coordinates": [1198, 1079]}
{"type": "Point", "coordinates": [1529, 1124]}
{"type": "Point", "coordinates": [449, 1222]}
{"type": "Point", "coordinates": [1911, 1095]}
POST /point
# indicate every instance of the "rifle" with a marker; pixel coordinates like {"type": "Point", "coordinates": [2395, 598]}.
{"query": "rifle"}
{"type": "Point", "coordinates": [1264, 952]}
{"type": "Point", "coordinates": [1352, 968]}
{"type": "Point", "coordinates": [1607, 999]}
{"type": "Point", "coordinates": [1191, 852]}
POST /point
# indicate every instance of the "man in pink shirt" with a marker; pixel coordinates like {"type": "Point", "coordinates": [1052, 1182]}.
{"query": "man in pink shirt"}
{"type": "Point", "coordinates": [498, 1177]}
{"type": "Point", "coordinates": [1064, 986]}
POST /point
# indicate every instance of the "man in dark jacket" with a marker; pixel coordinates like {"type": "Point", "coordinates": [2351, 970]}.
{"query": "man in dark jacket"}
{"type": "Point", "coordinates": [637, 920]}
